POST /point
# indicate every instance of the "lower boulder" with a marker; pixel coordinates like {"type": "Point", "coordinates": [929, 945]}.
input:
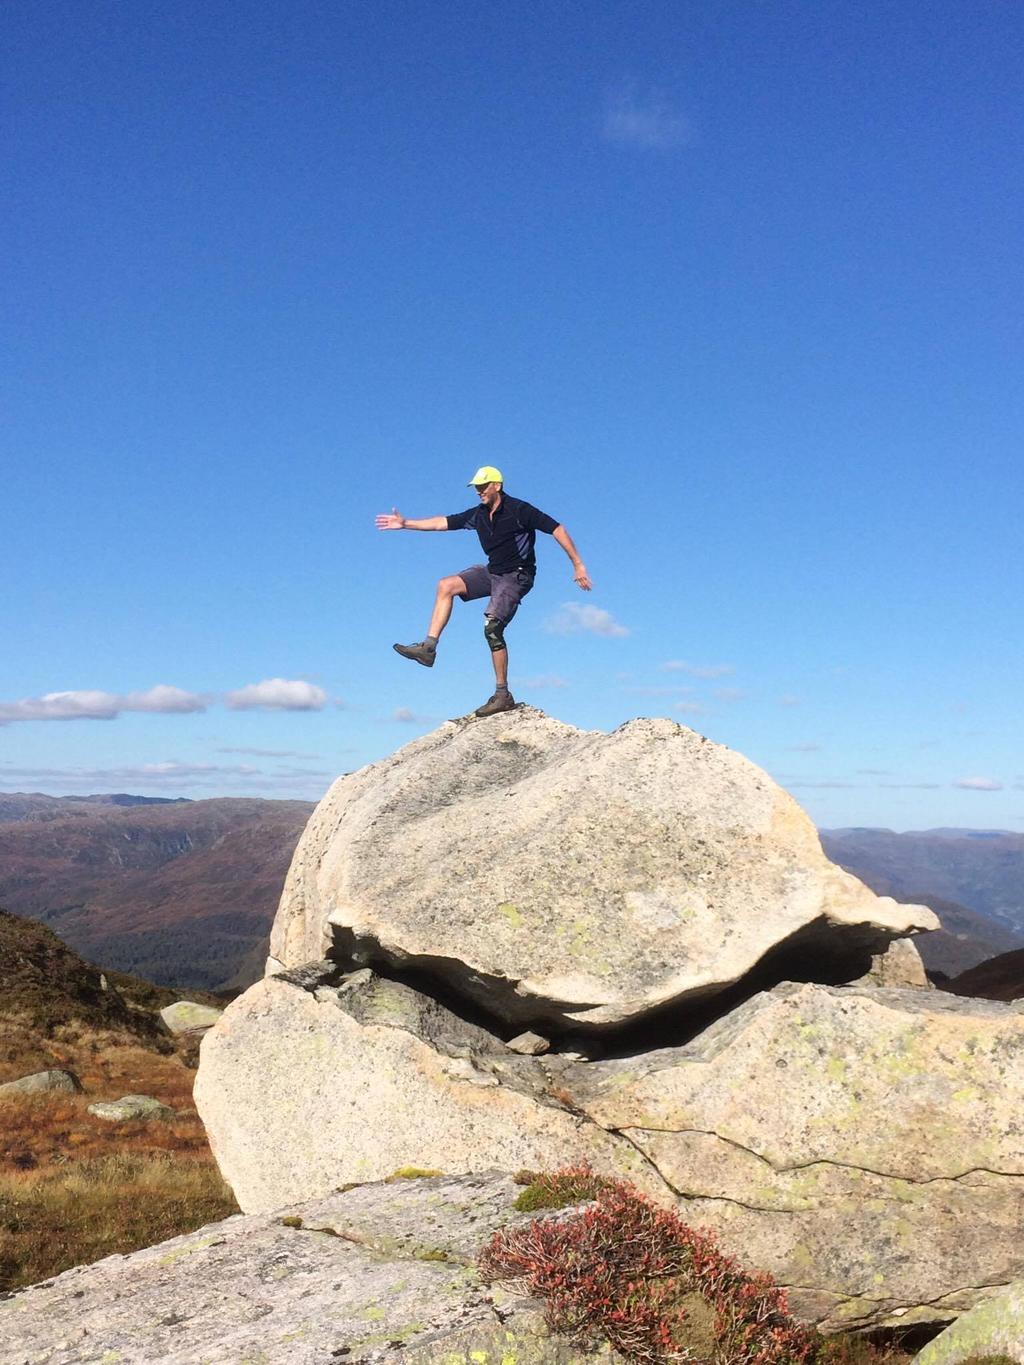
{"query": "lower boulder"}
{"type": "Point", "coordinates": [308, 1083]}
{"type": "Point", "coordinates": [861, 1144]}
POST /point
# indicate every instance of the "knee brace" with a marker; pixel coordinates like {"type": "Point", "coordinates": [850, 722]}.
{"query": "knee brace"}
{"type": "Point", "coordinates": [494, 633]}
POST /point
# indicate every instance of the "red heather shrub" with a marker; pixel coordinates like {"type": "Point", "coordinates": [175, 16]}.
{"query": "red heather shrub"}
{"type": "Point", "coordinates": [622, 1267]}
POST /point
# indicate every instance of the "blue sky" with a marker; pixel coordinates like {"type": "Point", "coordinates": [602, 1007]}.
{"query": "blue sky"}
{"type": "Point", "coordinates": [732, 290]}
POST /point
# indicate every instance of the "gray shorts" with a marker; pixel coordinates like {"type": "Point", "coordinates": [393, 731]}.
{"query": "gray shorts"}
{"type": "Point", "coordinates": [506, 590]}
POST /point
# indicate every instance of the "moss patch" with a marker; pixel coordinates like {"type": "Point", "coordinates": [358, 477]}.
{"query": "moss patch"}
{"type": "Point", "coordinates": [560, 1191]}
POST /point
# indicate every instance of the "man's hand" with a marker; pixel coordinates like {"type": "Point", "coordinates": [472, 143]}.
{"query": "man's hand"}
{"type": "Point", "coordinates": [579, 570]}
{"type": "Point", "coordinates": [394, 522]}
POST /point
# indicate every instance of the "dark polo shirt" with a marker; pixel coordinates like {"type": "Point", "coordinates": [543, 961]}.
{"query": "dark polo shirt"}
{"type": "Point", "coordinates": [509, 536]}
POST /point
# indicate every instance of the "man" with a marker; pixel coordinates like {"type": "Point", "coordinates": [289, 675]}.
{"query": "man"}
{"type": "Point", "coordinates": [507, 528]}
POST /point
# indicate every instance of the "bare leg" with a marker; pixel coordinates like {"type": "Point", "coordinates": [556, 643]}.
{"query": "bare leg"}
{"type": "Point", "coordinates": [499, 658]}
{"type": "Point", "coordinates": [447, 590]}
{"type": "Point", "coordinates": [502, 699]}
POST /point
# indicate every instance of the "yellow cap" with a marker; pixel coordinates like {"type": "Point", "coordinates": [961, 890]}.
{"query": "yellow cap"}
{"type": "Point", "coordinates": [486, 474]}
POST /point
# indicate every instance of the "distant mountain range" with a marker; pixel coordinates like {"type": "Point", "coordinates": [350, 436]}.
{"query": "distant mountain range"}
{"type": "Point", "coordinates": [18, 805]}
{"type": "Point", "coordinates": [183, 893]}
{"type": "Point", "coordinates": [973, 880]}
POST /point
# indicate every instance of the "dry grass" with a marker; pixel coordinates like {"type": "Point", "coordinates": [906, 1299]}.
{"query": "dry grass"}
{"type": "Point", "coordinates": [73, 1187]}
{"type": "Point", "coordinates": [56, 1218]}
{"type": "Point", "coordinates": [102, 1059]}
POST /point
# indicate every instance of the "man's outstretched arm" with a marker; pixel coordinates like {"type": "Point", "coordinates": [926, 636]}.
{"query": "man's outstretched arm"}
{"type": "Point", "coordinates": [396, 522]}
{"type": "Point", "coordinates": [580, 575]}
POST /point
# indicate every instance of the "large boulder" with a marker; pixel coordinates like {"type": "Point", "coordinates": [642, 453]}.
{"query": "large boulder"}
{"type": "Point", "coordinates": [862, 1144]}
{"type": "Point", "coordinates": [565, 878]}
{"type": "Point", "coordinates": [380, 1274]}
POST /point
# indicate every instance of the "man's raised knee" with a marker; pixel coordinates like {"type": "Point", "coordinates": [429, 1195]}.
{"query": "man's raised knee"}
{"type": "Point", "coordinates": [449, 587]}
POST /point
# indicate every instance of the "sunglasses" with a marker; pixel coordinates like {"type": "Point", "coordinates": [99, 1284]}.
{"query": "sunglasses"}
{"type": "Point", "coordinates": [481, 486]}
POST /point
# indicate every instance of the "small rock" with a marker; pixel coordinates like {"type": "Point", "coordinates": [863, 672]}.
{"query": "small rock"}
{"type": "Point", "coordinates": [900, 966]}
{"type": "Point", "coordinates": [184, 1016]}
{"type": "Point", "coordinates": [529, 1044]}
{"type": "Point", "coordinates": [994, 1328]}
{"type": "Point", "coordinates": [131, 1107]}
{"type": "Point", "coordinates": [462, 1069]}
{"type": "Point", "coordinates": [43, 1082]}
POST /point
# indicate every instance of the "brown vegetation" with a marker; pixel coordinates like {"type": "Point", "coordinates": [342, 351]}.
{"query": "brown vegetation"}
{"type": "Point", "coordinates": [56, 1218]}
{"type": "Point", "coordinates": [657, 1289]}
{"type": "Point", "coordinates": [74, 1187]}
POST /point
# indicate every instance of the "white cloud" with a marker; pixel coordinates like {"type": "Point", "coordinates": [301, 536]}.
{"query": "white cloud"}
{"type": "Point", "coordinates": [648, 121]}
{"type": "Point", "coordinates": [169, 778]}
{"type": "Point", "coordinates": [979, 784]}
{"type": "Point", "coordinates": [542, 681]}
{"type": "Point", "coordinates": [824, 786]}
{"type": "Point", "coordinates": [179, 770]}
{"type": "Point", "coordinates": [789, 700]}
{"type": "Point", "coordinates": [572, 618]}
{"type": "Point", "coordinates": [139, 772]}
{"type": "Point", "coordinates": [731, 693]}
{"type": "Point", "coordinates": [697, 670]}
{"type": "Point", "coordinates": [405, 715]}
{"type": "Point", "coordinates": [690, 708]}
{"type": "Point", "coordinates": [278, 694]}
{"type": "Point", "coordinates": [267, 753]}
{"type": "Point", "coordinates": [911, 786]}
{"type": "Point", "coordinates": [62, 706]}
{"type": "Point", "coordinates": [676, 690]}
{"type": "Point", "coordinates": [166, 700]}
{"type": "Point", "coordinates": [96, 705]}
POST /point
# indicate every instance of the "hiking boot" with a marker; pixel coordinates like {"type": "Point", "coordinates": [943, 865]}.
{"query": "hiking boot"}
{"type": "Point", "coordinates": [500, 701]}
{"type": "Point", "coordinates": [422, 653]}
